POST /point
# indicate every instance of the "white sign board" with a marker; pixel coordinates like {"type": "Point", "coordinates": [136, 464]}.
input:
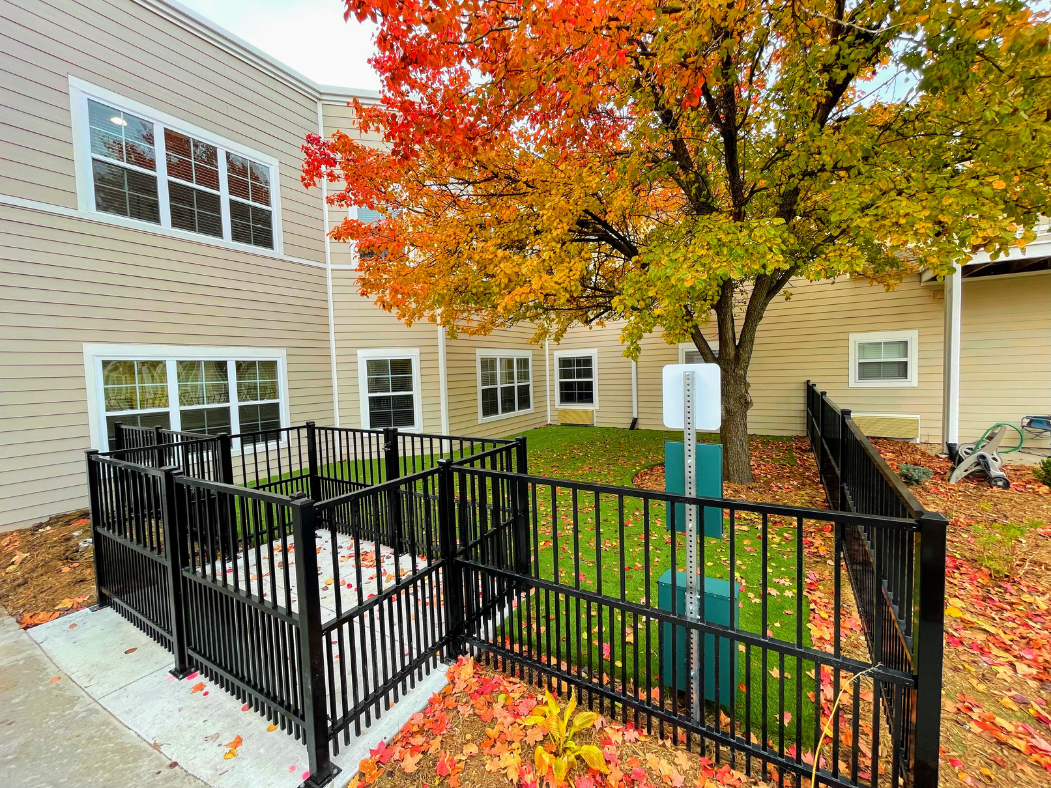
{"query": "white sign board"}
{"type": "Point", "coordinates": [707, 412]}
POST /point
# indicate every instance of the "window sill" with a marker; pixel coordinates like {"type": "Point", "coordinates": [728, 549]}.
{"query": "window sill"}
{"type": "Point", "coordinates": [593, 406]}
{"type": "Point", "coordinates": [503, 416]}
{"type": "Point", "coordinates": [883, 384]}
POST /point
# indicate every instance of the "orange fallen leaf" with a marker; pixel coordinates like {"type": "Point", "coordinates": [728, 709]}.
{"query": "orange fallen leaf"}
{"type": "Point", "coordinates": [271, 728]}
{"type": "Point", "coordinates": [54, 679]}
{"type": "Point", "coordinates": [235, 743]}
{"type": "Point", "coordinates": [197, 687]}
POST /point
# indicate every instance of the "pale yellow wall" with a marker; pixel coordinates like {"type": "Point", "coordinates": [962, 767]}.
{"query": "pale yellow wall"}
{"type": "Point", "coordinates": [462, 370]}
{"type": "Point", "coordinates": [121, 46]}
{"type": "Point", "coordinates": [804, 338]}
{"type": "Point", "coordinates": [67, 281]}
{"type": "Point", "coordinates": [1005, 356]}
{"type": "Point", "coordinates": [360, 325]}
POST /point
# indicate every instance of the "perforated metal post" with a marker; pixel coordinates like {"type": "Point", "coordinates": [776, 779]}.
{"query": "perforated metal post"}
{"type": "Point", "coordinates": [689, 436]}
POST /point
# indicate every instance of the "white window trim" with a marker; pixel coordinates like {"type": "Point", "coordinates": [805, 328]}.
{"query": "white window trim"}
{"type": "Point", "coordinates": [481, 353]}
{"type": "Point", "coordinates": [79, 93]}
{"type": "Point", "coordinates": [363, 383]}
{"type": "Point", "coordinates": [685, 347]}
{"type": "Point", "coordinates": [95, 354]}
{"type": "Point", "coordinates": [910, 336]}
{"type": "Point", "coordinates": [593, 352]}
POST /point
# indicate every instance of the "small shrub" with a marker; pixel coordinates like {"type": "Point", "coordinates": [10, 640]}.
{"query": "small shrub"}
{"type": "Point", "coordinates": [1002, 546]}
{"type": "Point", "coordinates": [914, 474]}
{"type": "Point", "coordinates": [562, 728]}
{"type": "Point", "coordinates": [1043, 471]}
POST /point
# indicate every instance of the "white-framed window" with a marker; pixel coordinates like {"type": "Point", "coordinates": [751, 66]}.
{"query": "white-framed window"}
{"type": "Point", "coordinates": [689, 354]}
{"type": "Point", "coordinates": [389, 388]}
{"type": "Point", "coordinates": [885, 359]}
{"type": "Point", "coordinates": [206, 390]}
{"type": "Point", "coordinates": [149, 170]}
{"type": "Point", "coordinates": [576, 378]}
{"type": "Point", "coordinates": [368, 216]}
{"type": "Point", "coordinates": [505, 383]}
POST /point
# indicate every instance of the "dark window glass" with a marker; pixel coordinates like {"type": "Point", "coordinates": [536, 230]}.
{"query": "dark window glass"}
{"type": "Point", "coordinates": [256, 418]}
{"type": "Point", "coordinates": [149, 420]}
{"type": "Point", "coordinates": [251, 225]}
{"type": "Point", "coordinates": [191, 160]}
{"type": "Point", "coordinates": [390, 391]}
{"type": "Point", "coordinates": [206, 421]}
{"type": "Point", "coordinates": [391, 411]}
{"type": "Point", "coordinates": [194, 209]}
{"type": "Point", "coordinates": [490, 403]}
{"type": "Point", "coordinates": [125, 192]}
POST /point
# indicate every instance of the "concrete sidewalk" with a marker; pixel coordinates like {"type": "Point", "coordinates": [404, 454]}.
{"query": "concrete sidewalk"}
{"type": "Point", "coordinates": [53, 734]}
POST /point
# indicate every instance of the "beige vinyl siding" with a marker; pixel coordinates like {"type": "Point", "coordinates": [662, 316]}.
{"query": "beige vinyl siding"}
{"type": "Point", "coordinates": [69, 281]}
{"type": "Point", "coordinates": [1005, 357]}
{"type": "Point", "coordinates": [804, 338]}
{"type": "Point", "coordinates": [462, 375]}
{"type": "Point", "coordinates": [360, 324]}
{"type": "Point", "coordinates": [338, 117]}
{"type": "Point", "coordinates": [122, 46]}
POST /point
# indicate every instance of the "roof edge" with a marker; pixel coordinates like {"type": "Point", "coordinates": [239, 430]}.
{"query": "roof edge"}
{"type": "Point", "coordinates": [188, 19]}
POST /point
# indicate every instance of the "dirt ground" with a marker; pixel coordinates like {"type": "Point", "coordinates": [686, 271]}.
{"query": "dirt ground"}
{"type": "Point", "coordinates": [46, 570]}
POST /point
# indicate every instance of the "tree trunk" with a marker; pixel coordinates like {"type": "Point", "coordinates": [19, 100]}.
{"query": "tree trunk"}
{"type": "Point", "coordinates": [737, 465]}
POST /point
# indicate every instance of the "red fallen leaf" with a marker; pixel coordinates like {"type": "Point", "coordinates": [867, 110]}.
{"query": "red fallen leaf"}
{"type": "Point", "coordinates": [128, 651]}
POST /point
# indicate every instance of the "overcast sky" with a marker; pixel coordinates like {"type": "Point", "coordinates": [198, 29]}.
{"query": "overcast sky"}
{"type": "Point", "coordinates": [308, 35]}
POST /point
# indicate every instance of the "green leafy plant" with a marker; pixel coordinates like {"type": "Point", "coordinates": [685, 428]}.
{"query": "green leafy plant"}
{"type": "Point", "coordinates": [1043, 471]}
{"type": "Point", "coordinates": [1002, 546]}
{"type": "Point", "coordinates": [914, 474]}
{"type": "Point", "coordinates": [562, 727]}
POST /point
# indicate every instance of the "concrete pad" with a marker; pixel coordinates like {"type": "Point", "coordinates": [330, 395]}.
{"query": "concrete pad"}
{"type": "Point", "coordinates": [53, 734]}
{"type": "Point", "coordinates": [101, 657]}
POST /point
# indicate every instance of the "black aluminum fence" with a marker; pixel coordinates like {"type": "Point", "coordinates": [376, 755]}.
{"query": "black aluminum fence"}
{"type": "Point", "coordinates": [425, 547]}
{"type": "Point", "coordinates": [898, 578]}
{"type": "Point", "coordinates": [200, 553]}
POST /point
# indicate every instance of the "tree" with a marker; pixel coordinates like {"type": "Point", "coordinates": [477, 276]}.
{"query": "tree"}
{"type": "Point", "coordinates": [665, 162]}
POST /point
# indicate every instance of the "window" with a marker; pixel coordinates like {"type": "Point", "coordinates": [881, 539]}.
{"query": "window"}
{"type": "Point", "coordinates": [389, 381]}
{"type": "Point", "coordinates": [505, 384]}
{"type": "Point", "coordinates": [202, 390]}
{"type": "Point", "coordinates": [123, 163]}
{"type": "Point", "coordinates": [885, 359]}
{"type": "Point", "coordinates": [689, 354]}
{"type": "Point", "coordinates": [146, 166]}
{"type": "Point", "coordinates": [135, 394]}
{"type": "Point", "coordinates": [368, 216]}
{"type": "Point", "coordinates": [576, 378]}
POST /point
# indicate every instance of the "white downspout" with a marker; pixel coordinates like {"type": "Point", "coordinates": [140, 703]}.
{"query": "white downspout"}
{"type": "Point", "coordinates": [443, 381]}
{"type": "Point", "coordinates": [634, 390]}
{"type": "Point", "coordinates": [328, 283]}
{"type": "Point", "coordinates": [951, 358]}
{"type": "Point", "coordinates": [547, 378]}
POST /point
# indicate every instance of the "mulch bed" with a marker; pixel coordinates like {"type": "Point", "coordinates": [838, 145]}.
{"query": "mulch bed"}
{"type": "Point", "coordinates": [477, 732]}
{"type": "Point", "coordinates": [46, 570]}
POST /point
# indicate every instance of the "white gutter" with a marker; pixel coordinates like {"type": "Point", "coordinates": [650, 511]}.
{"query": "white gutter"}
{"type": "Point", "coordinates": [443, 381]}
{"type": "Point", "coordinates": [328, 283]}
{"type": "Point", "coordinates": [951, 357]}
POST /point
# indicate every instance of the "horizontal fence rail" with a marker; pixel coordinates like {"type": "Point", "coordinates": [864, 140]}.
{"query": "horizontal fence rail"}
{"type": "Point", "coordinates": [318, 573]}
{"type": "Point", "coordinates": [898, 577]}
{"type": "Point", "coordinates": [572, 582]}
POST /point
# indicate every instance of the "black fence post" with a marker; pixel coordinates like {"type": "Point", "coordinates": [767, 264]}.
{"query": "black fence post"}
{"type": "Point", "coordinates": [95, 513]}
{"type": "Point", "coordinates": [522, 562]}
{"type": "Point", "coordinates": [928, 646]}
{"type": "Point", "coordinates": [118, 436]}
{"type": "Point", "coordinates": [844, 428]}
{"type": "Point", "coordinates": [392, 470]}
{"type": "Point", "coordinates": [226, 458]}
{"type": "Point", "coordinates": [313, 478]}
{"type": "Point", "coordinates": [158, 449]}
{"type": "Point", "coordinates": [173, 521]}
{"type": "Point", "coordinates": [312, 665]}
{"type": "Point", "coordinates": [452, 576]}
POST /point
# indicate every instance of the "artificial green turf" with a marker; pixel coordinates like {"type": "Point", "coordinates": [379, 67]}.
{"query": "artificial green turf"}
{"type": "Point", "coordinates": [615, 543]}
